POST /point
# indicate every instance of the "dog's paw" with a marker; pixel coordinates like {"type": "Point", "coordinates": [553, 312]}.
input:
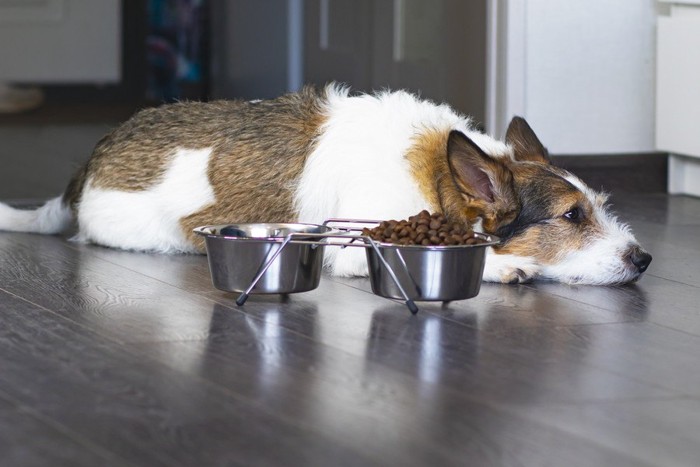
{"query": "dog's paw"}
{"type": "Point", "coordinates": [518, 276]}
{"type": "Point", "coordinates": [510, 269]}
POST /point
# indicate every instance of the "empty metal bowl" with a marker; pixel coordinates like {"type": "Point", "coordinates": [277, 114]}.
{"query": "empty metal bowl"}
{"type": "Point", "coordinates": [430, 273]}
{"type": "Point", "coordinates": [238, 252]}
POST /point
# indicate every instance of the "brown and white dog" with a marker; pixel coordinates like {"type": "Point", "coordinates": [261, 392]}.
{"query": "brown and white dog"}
{"type": "Point", "coordinates": [320, 154]}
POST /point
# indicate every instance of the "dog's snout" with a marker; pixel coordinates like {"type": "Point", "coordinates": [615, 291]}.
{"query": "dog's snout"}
{"type": "Point", "coordinates": [639, 258]}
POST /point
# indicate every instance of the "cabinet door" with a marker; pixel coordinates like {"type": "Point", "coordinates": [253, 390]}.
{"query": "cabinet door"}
{"type": "Point", "coordinates": [436, 48]}
{"type": "Point", "coordinates": [338, 41]}
{"type": "Point", "coordinates": [678, 92]}
{"type": "Point", "coordinates": [60, 41]}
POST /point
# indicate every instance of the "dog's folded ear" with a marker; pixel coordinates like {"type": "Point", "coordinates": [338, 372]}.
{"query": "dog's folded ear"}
{"type": "Point", "coordinates": [526, 145]}
{"type": "Point", "coordinates": [485, 182]}
{"type": "Point", "coordinates": [471, 167]}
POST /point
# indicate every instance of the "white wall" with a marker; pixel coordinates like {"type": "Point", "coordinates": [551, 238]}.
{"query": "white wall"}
{"type": "Point", "coordinates": [581, 72]}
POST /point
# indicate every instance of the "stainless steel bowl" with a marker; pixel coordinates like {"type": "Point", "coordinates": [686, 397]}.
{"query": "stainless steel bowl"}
{"type": "Point", "coordinates": [237, 252]}
{"type": "Point", "coordinates": [430, 273]}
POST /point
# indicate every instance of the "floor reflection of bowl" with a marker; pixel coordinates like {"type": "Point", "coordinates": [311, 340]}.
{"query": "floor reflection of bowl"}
{"type": "Point", "coordinates": [237, 252]}
{"type": "Point", "coordinates": [430, 273]}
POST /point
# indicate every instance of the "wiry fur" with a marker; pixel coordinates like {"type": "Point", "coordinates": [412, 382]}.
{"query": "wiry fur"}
{"type": "Point", "coordinates": [320, 154]}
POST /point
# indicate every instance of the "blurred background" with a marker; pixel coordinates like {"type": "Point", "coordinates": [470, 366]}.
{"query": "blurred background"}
{"type": "Point", "coordinates": [584, 74]}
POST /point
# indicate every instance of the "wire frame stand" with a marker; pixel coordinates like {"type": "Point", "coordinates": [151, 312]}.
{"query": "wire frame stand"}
{"type": "Point", "coordinates": [320, 239]}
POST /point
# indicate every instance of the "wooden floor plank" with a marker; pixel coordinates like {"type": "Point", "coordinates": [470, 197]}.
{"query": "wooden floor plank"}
{"type": "Point", "coordinates": [140, 411]}
{"type": "Point", "coordinates": [661, 433]}
{"type": "Point", "coordinates": [151, 416]}
{"type": "Point", "coordinates": [27, 439]}
{"type": "Point", "coordinates": [659, 208]}
{"type": "Point", "coordinates": [107, 298]}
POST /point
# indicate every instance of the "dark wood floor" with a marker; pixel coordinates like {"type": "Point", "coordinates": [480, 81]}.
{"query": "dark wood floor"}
{"type": "Point", "coordinates": [117, 358]}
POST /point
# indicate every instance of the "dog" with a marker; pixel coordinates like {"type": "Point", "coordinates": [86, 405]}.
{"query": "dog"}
{"type": "Point", "coordinates": [326, 153]}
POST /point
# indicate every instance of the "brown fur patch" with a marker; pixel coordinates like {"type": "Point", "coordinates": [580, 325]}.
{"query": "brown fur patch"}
{"type": "Point", "coordinates": [427, 158]}
{"type": "Point", "coordinates": [445, 191]}
{"type": "Point", "coordinates": [258, 152]}
{"type": "Point", "coordinates": [254, 170]}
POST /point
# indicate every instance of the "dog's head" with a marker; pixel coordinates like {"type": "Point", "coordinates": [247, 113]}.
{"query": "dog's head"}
{"type": "Point", "coordinates": [543, 212]}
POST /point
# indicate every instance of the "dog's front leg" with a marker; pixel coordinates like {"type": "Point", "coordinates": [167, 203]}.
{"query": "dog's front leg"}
{"type": "Point", "coordinates": [346, 262]}
{"type": "Point", "coordinates": [509, 269]}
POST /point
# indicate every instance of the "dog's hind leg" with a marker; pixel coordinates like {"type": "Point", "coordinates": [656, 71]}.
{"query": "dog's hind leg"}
{"type": "Point", "coordinates": [149, 219]}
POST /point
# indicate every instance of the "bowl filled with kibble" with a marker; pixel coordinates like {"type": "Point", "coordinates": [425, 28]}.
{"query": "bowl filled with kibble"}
{"type": "Point", "coordinates": [432, 258]}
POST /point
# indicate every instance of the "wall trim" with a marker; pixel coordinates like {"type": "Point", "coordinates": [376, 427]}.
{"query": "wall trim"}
{"type": "Point", "coordinates": [631, 173]}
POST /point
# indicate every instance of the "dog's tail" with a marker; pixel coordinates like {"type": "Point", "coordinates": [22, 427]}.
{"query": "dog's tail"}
{"type": "Point", "coordinates": [53, 217]}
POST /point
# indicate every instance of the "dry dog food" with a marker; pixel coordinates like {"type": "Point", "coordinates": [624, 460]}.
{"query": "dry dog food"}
{"type": "Point", "coordinates": [423, 229]}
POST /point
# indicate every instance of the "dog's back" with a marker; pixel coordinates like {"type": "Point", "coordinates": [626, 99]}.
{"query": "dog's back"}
{"type": "Point", "coordinates": [168, 169]}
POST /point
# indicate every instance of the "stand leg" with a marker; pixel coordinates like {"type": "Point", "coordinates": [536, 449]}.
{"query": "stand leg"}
{"type": "Point", "coordinates": [244, 296]}
{"type": "Point", "coordinates": [409, 303]}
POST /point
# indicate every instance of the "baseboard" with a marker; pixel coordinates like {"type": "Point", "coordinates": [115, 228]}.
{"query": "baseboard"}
{"type": "Point", "coordinates": [629, 173]}
{"type": "Point", "coordinates": [684, 175]}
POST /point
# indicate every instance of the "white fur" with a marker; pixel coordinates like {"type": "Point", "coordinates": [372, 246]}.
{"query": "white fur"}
{"type": "Point", "coordinates": [149, 220]}
{"type": "Point", "coordinates": [509, 268]}
{"type": "Point", "coordinates": [358, 169]}
{"type": "Point", "coordinates": [53, 217]}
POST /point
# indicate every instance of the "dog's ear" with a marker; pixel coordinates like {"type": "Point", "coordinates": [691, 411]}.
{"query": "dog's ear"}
{"type": "Point", "coordinates": [526, 145]}
{"type": "Point", "coordinates": [485, 182]}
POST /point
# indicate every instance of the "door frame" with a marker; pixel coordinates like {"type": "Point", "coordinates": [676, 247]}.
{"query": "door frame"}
{"type": "Point", "coordinates": [505, 63]}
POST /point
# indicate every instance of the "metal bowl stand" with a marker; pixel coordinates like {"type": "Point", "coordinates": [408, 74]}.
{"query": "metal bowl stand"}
{"type": "Point", "coordinates": [303, 238]}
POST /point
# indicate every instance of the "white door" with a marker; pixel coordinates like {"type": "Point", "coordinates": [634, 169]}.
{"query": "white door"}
{"type": "Point", "coordinates": [60, 41]}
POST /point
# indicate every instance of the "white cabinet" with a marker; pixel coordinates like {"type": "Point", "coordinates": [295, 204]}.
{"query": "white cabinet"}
{"type": "Point", "coordinates": [60, 41]}
{"type": "Point", "coordinates": [580, 72]}
{"type": "Point", "coordinates": [678, 94]}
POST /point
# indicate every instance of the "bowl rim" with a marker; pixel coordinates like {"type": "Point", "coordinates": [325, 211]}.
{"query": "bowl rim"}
{"type": "Point", "coordinates": [202, 230]}
{"type": "Point", "coordinates": [489, 240]}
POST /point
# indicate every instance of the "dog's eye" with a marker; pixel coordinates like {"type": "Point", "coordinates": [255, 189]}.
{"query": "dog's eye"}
{"type": "Point", "coordinates": [573, 214]}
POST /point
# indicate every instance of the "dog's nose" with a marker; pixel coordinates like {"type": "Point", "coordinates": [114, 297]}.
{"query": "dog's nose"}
{"type": "Point", "coordinates": [640, 258]}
